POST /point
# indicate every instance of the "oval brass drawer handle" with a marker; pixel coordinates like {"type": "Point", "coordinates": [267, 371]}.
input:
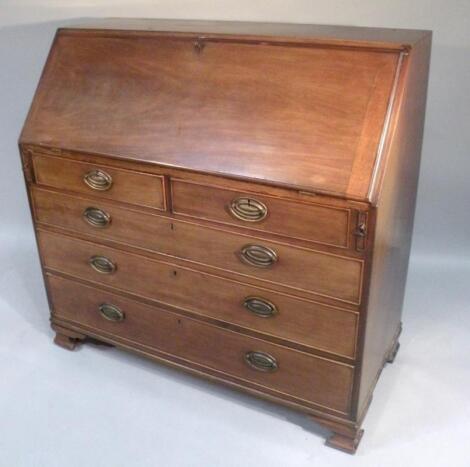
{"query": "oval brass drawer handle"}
{"type": "Point", "coordinates": [260, 307]}
{"type": "Point", "coordinates": [102, 264]}
{"type": "Point", "coordinates": [261, 361]}
{"type": "Point", "coordinates": [248, 209]}
{"type": "Point", "coordinates": [111, 312]}
{"type": "Point", "coordinates": [96, 217]}
{"type": "Point", "coordinates": [258, 256]}
{"type": "Point", "coordinates": [98, 180]}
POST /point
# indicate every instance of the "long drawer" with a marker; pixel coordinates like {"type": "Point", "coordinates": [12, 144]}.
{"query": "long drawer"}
{"type": "Point", "coordinates": [307, 270]}
{"type": "Point", "coordinates": [318, 326]}
{"type": "Point", "coordinates": [269, 367]}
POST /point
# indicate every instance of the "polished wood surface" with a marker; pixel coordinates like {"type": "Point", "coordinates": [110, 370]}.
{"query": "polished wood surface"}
{"type": "Point", "coordinates": [332, 276]}
{"type": "Point", "coordinates": [394, 223]}
{"type": "Point", "coordinates": [307, 221]}
{"type": "Point", "coordinates": [234, 200]}
{"type": "Point", "coordinates": [296, 33]}
{"type": "Point", "coordinates": [126, 186]}
{"type": "Point", "coordinates": [310, 379]}
{"type": "Point", "coordinates": [297, 128]}
{"type": "Point", "coordinates": [284, 198]}
{"type": "Point", "coordinates": [311, 324]}
{"type": "Point", "coordinates": [262, 188]}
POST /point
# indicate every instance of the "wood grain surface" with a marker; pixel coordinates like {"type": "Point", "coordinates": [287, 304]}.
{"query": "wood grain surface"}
{"type": "Point", "coordinates": [313, 380]}
{"type": "Point", "coordinates": [318, 129]}
{"type": "Point", "coordinates": [127, 186]}
{"type": "Point", "coordinates": [311, 324]}
{"type": "Point", "coordinates": [312, 222]}
{"type": "Point", "coordinates": [229, 108]}
{"type": "Point", "coordinates": [332, 276]}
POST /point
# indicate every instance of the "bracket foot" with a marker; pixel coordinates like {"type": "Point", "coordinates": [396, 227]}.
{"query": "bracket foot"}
{"type": "Point", "coordinates": [66, 338]}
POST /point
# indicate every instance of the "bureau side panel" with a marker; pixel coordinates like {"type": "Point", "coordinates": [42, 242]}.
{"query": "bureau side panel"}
{"type": "Point", "coordinates": [394, 213]}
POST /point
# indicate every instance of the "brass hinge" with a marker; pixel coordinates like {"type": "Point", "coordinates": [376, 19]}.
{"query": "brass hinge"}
{"type": "Point", "coordinates": [360, 231]}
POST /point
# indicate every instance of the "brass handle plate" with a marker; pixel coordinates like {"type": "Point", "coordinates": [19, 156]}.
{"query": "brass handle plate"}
{"type": "Point", "coordinates": [111, 312]}
{"type": "Point", "coordinates": [248, 209]}
{"type": "Point", "coordinates": [96, 217]}
{"type": "Point", "coordinates": [260, 307]}
{"type": "Point", "coordinates": [261, 361]}
{"type": "Point", "coordinates": [258, 256]}
{"type": "Point", "coordinates": [102, 264]}
{"type": "Point", "coordinates": [98, 180]}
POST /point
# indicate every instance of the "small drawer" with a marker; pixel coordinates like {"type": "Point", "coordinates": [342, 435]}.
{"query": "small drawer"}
{"type": "Point", "coordinates": [249, 361]}
{"type": "Point", "coordinates": [305, 221]}
{"type": "Point", "coordinates": [309, 271]}
{"type": "Point", "coordinates": [100, 180]}
{"type": "Point", "coordinates": [265, 311]}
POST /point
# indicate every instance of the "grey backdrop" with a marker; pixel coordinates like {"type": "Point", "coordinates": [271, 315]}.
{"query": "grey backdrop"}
{"type": "Point", "coordinates": [421, 412]}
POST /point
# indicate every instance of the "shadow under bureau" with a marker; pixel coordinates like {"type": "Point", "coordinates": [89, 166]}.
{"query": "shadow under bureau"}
{"type": "Point", "coordinates": [232, 199]}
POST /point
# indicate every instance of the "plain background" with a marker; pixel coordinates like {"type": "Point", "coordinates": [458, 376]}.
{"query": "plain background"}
{"type": "Point", "coordinates": [103, 407]}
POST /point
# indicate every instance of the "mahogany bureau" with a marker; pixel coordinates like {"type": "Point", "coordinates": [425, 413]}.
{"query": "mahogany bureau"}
{"type": "Point", "coordinates": [232, 199]}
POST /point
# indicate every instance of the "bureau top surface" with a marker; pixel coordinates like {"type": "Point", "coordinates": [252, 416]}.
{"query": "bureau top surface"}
{"type": "Point", "coordinates": [308, 111]}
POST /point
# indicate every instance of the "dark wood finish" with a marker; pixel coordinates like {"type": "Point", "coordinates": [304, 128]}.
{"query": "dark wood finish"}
{"type": "Point", "coordinates": [298, 33]}
{"type": "Point", "coordinates": [332, 276]}
{"type": "Point", "coordinates": [317, 132]}
{"type": "Point", "coordinates": [345, 443]}
{"type": "Point", "coordinates": [309, 379]}
{"type": "Point", "coordinates": [127, 186]}
{"type": "Point", "coordinates": [311, 222]}
{"type": "Point", "coordinates": [396, 195]}
{"type": "Point", "coordinates": [357, 211]}
{"type": "Point", "coordinates": [309, 323]}
{"type": "Point", "coordinates": [262, 188]}
{"type": "Point", "coordinates": [67, 338]}
{"type": "Point", "coordinates": [214, 137]}
{"type": "Point", "coordinates": [65, 341]}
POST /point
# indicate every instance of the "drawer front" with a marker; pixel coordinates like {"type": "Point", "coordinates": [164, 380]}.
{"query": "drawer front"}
{"type": "Point", "coordinates": [306, 270]}
{"type": "Point", "coordinates": [326, 328]}
{"type": "Point", "coordinates": [107, 182]}
{"type": "Point", "coordinates": [305, 221]}
{"type": "Point", "coordinates": [264, 365]}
